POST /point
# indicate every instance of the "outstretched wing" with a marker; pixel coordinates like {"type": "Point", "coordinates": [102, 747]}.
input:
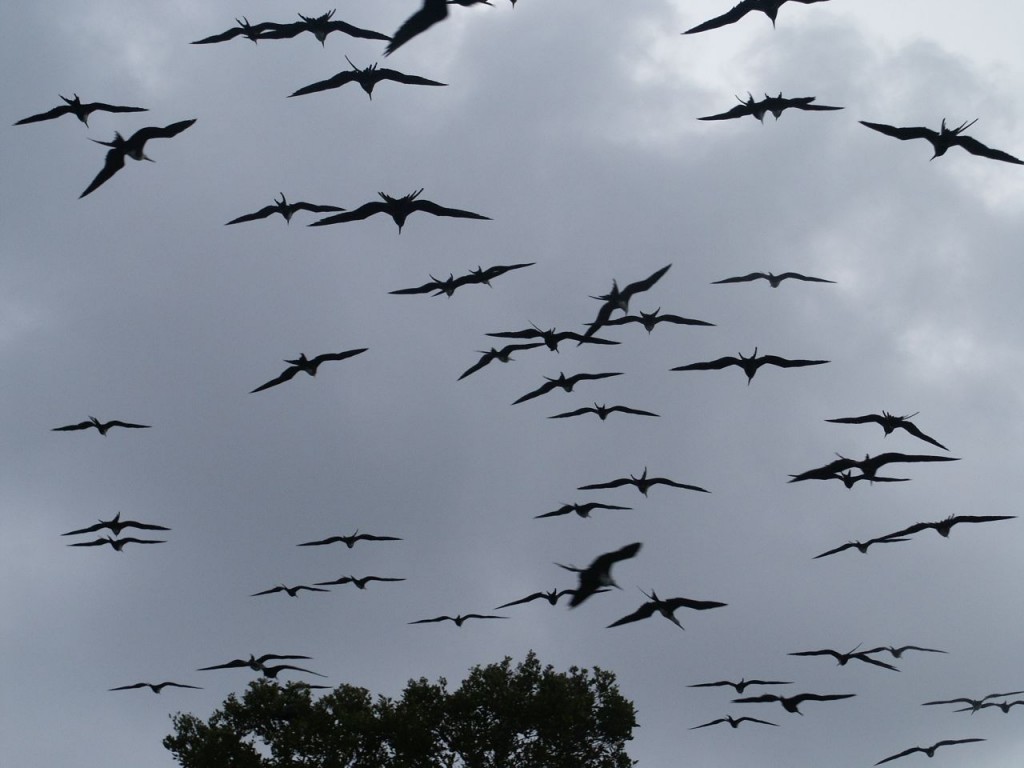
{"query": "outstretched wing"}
{"type": "Point", "coordinates": [544, 388]}
{"type": "Point", "coordinates": [645, 611]}
{"type": "Point", "coordinates": [340, 79]}
{"type": "Point", "coordinates": [113, 163]}
{"type": "Point", "coordinates": [742, 278]}
{"type": "Point", "coordinates": [975, 147]}
{"type": "Point", "coordinates": [782, 362]}
{"type": "Point", "coordinates": [74, 427]}
{"type": "Point", "coordinates": [262, 213]}
{"type": "Point", "coordinates": [286, 375]}
{"type": "Point", "coordinates": [353, 31]}
{"type": "Point", "coordinates": [401, 77]}
{"type": "Point", "coordinates": [797, 275]}
{"type": "Point", "coordinates": [439, 210]}
{"type": "Point", "coordinates": [63, 109]}
{"type": "Point", "coordinates": [610, 484]}
{"type": "Point", "coordinates": [362, 212]}
{"type": "Point", "coordinates": [710, 365]}
{"type": "Point", "coordinates": [731, 16]}
{"type": "Point", "coordinates": [330, 356]}
{"type": "Point", "coordinates": [157, 132]}
{"type": "Point", "coordinates": [126, 425]}
{"type": "Point", "coordinates": [634, 411]}
{"type": "Point", "coordinates": [432, 12]}
{"type": "Point", "coordinates": [740, 110]}
{"type": "Point", "coordinates": [915, 132]}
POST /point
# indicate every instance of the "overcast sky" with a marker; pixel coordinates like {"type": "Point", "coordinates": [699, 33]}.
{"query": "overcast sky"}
{"type": "Point", "coordinates": [576, 132]}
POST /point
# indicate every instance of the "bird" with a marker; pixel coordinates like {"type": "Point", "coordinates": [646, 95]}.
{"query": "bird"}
{"type": "Point", "coordinates": [155, 687]}
{"type": "Point", "coordinates": [117, 544]}
{"type": "Point", "coordinates": [602, 411]}
{"type": "Point", "coordinates": [791, 703]}
{"type": "Point", "coordinates": [666, 608]}
{"type": "Point", "coordinates": [583, 510]}
{"type": "Point", "coordinates": [253, 663]}
{"type": "Point", "coordinates": [973, 704]}
{"type": "Point", "coordinates": [750, 365]}
{"type": "Point", "coordinates": [132, 147]}
{"type": "Point", "coordinates": [360, 582]}
{"type": "Point", "coordinates": [116, 524]}
{"type": "Point", "coordinates": [367, 77]}
{"type": "Point", "coordinates": [484, 276]}
{"type": "Point", "coordinates": [943, 527]}
{"type": "Point", "coordinates": [253, 32]}
{"type": "Point", "coordinates": [643, 483]}
{"type": "Point", "coordinates": [478, 276]}
{"type": "Point", "coordinates": [733, 721]}
{"type": "Point", "coordinates": [930, 751]}
{"type": "Point", "coordinates": [1006, 706]}
{"type": "Point", "coordinates": [349, 541]}
{"type": "Point", "coordinates": [458, 620]}
{"type": "Point", "coordinates": [889, 423]}
{"type": "Point", "coordinates": [773, 280]}
{"type": "Point", "coordinates": [868, 466]}
{"type": "Point", "coordinates": [552, 596]}
{"type": "Point", "coordinates": [650, 319]}
{"type": "Point", "coordinates": [897, 652]}
{"type": "Point", "coordinates": [564, 382]}
{"type": "Point", "coordinates": [503, 355]}
{"type": "Point", "coordinates": [551, 338]}
{"type": "Point", "coordinates": [739, 686]}
{"type": "Point", "coordinates": [843, 658]}
{"type": "Point", "coordinates": [860, 546]}
{"type": "Point", "coordinates": [320, 26]}
{"type": "Point", "coordinates": [398, 208]}
{"type": "Point", "coordinates": [284, 208]}
{"type": "Point", "coordinates": [849, 479]}
{"type": "Point", "coordinates": [431, 12]}
{"type": "Point", "coordinates": [100, 427]}
{"type": "Point", "coordinates": [945, 138]}
{"type": "Point", "coordinates": [768, 7]}
{"type": "Point", "coordinates": [774, 104]}
{"type": "Point", "coordinates": [619, 298]}
{"type": "Point", "coordinates": [74, 106]}
{"type": "Point", "coordinates": [292, 591]}
{"type": "Point", "coordinates": [308, 365]}
{"type": "Point", "coordinates": [599, 573]}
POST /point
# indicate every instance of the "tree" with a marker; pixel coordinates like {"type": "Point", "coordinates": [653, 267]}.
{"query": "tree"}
{"type": "Point", "coordinates": [500, 717]}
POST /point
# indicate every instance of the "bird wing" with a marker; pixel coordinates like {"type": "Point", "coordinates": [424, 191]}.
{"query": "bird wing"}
{"type": "Point", "coordinates": [565, 509]}
{"type": "Point", "coordinates": [371, 537]}
{"type": "Point", "coordinates": [113, 163]}
{"type": "Point", "coordinates": [401, 77]}
{"type": "Point", "coordinates": [63, 109]}
{"type": "Point", "coordinates": [273, 656]}
{"type": "Point", "coordinates": [544, 388]}
{"type": "Point", "coordinates": [432, 12]}
{"type": "Point", "coordinates": [338, 581]}
{"type": "Point", "coordinates": [156, 132]}
{"type": "Point", "coordinates": [580, 339]}
{"type": "Point", "coordinates": [268, 591]}
{"type": "Point", "coordinates": [338, 80]}
{"type": "Point", "coordinates": [742, 278]}
{"type": "Point", "coordinates": [362, 212]}
{"type": "Point", "coordinates": [235, 664]}
{"type": "Point", "coordinates": [740, 110]}
{"type": "Point", "coordinates": [113, 108]}
{"type": "Point", "coordinates": [303, 206]}
{"type": "Point", "coordinates": [713, 722]}
{"type": "Point", "coordinates": [871, 417]}
{"type": "Point", "coordinates": [262, 213]}
{"type": "Point", "coordinates": [836, 550]}
{"type": "Point", "coordinates": [917, 132]}
{"type": "Point", "coordinates": [674, 484]}
{"type": "Point", "coordinates": [286, 374]}
{"type": "Point", "coordinates": [133, 540]}
{"type": "Point", "coordinates": [912, 429]}
{"type": "Point", "coordinates": [143, 526]}
{"type": "Point", "coordinates": [430, 621]}
{"type": "Point", "coordinates": [94, 543]}
{"type": "Point", "coordinates": [645, 611]}
{"type": "Point", "coordinates": [439, 210]}
{"type": "Point", "coordinates": [681, 320]}
{"type": "Point", "coordinates": [529, 333]}
{"type": "Point", "coordinates": [904, 753]}
{"type": "Point", "coordinates": [731, 16]}
{"type": "Point", "coordinates": [710, 365]}
{"type": "Point", "coordinates": [331, 356]}
{"type": "Point", "coordinates": [610, 484]}
{"type": "Point", "coordinates": [74, 427]}
{"type": "Point", "coordinates": [606, 561]}
{"type": "Point", "coordinates": [328, 540]}
{"type": "Point", "coordinates": [757, 699]}
{"type": "Point", "coordinates": [643, 285]}
{"type": "Point", "coordinates": [975, 147]}
{"type": "Point", "coordinates": [827, 471]}
{"type": "Point", "coordinates": [126, 425]}
{"type": "Point", "coordinates": [862, 656]}
{"type": "Point", "coordinates": [129, 687]}
{"type": "Point", "coordinates": [887, 458]}
{"type": "Point", "coordinates": [695, 605]}
{"type": "Point", "coordinates": [797, 275]}
{"type": "Point", "coordinates": [235, 32]}
{"type": "Point", "coordinates": [430, 287]}
{"type": "Point", "coordinates": [520, 601]}
{"type": "Point", "coordinates": [577, 412]}
{"type": "Point", "coordinates": [782, 362]}
{"type": "Point", "coordinates": [90, 529]}
{"type": "Point", "coordinates": [275, 31]}
{"type": "Point", "coordinates": [754, 720]}
{"type": "Point", "coordinates": [591, 376]}
{"type": "Point", "coordinates": [353, 31]}
{"type": "Point", "coordinates": [634, 411]}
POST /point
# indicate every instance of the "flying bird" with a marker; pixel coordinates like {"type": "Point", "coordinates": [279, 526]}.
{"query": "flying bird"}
{"type": "Point", "coordinates": [564, 382]}
{"type": "Point", "coordinates": [774, 104]}
{"type": "Point", "coordinates": [943, 527]}
{"type": "Point", "coordinates": [619, 298]}
{"type": "Point", "coordinates": [650, 319]}
{"type": "Point", "coordinates": [602, 411]}
{"type": "Point", "coordinates": [320, 27]}
{"type": "Point", "coordinates": [750, 365]}
{"type": "Point", "coordinates": [930, 751]}
{"type": "Point", "coordinates": [292, 591]}
{"type": "Point", "coordinates": [945, 138]}
{"type": "Point", "coordinates": [868, 466]}
{"type": "Point", "coordinates": [132, 147]}
{"type": "Point", "coordinates": [791, 703]}
{"type": "Point", "coordinates": [360, 582]}
{"type": "Point", "coordinates": [503, 355]}
{"type": "Point", "coordinates": [733, 721]}
{"type": "Point", "coordinates": [478, 276]}
{"type": "Point", "coordinates": [583, 510]}
{"type": "Point", "coordinates": [398, 208]}
{"type": "Point", "coordinates": [599, 573]}
{"type": "Point", "coordinates": [889, 423]}
{"type": "Point", "coordinates": [973, 704]}
{"type": "Point", "coordinates": [458, 620]}
{"type": "Point", "coordinates": [849, 479]}
{"type": "Point", "coordinates": [100, 427]}
{"type": "Point", "coordinates": [642, 483]}
{"type": "Point", "coordinates": [155, 687]}
{"type": "Point", "coordinates": [74, 106]}
{"type": "Point", "coordinates": [117, 544]}
{"type": "Point", "coordinates": [768, 7]}
{"type": "Point", "coordinates": [254, 663]}
{"type": "Point", "coordinates": [116, 524]}
{"type": "Point", "coordinates": [1005, 706]}
{"type": "Point", "coordinates": [773, 280]}
{"type": "Point", "coordinates": [666, 608]}
{"type": "Point", "coordinates": [284, 208]}
{"type": "Point", "coordinates": [349, 541]}
{"type": "Point", "coordinates": [552, 596]}
{"type": "Point", "coordinates": [427, 16]}
{"type": "Point", "coordinates": [860, 546]}
{"type": "Point", "coordinates": [308, 365]}
{"type": "Point", "coordinates": [551, 338]}
{"type": "Point", "coordinates": [367, 77]}
{"type": "Point", "coordinates": [898, 652]}
{"type": "Point", "coordinates": [739, 686]}
{"type": "Point", "coordinates": [253, 32]}
{"type": "Point", "coordinates": [843, 658]}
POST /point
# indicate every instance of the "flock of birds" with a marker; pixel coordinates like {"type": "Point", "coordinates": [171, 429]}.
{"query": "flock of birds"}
{"type": "Point", "coordinates": [613, 311]}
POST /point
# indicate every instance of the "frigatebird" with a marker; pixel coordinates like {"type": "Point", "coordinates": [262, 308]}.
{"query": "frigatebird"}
{"type": "Point", "coordinates": [308, 365]}
{"type": "Point", "coordinates": [552, 596]}
{"type": "Point", "coordinates": [551, 337]}
{"type": "Point", "coordinates": [843, 658]}
{"type": "Point", "coordinates": [773, 280]}
{"type": "Point", "coordinates": [750, 365]}
{"type": "Point", "coordinates": [642, 483]}
{"type": "Point", "coordinates": [619, 298]}
{"type": "Point", "coordinates": [117, 544]}
{"type": "Point", "coordinates": [284, 208]}
{"type": "Point", "coordinates": [427, 16]}
{"type": "Point", "coordinates": [254, 663]}
{"type": "Point", "coordinates": [1005, 706]}
{"type": "Point", "coordinates": [116, 524]}
{"type": "Point", "coordinates": [889, 423]}
{"type": "Point", "coordinates": [599, 573]}
{"type": "Point", "coordinates": [253, 32]}
{"type": "Point", "coordinates": [650, 319]}
{"type": "Point", "coordinates": [973, 704]}
{"type": "Point", "coordinates": [503, 355]}
{"type": "Point", "coordinates": [943, 527]}
{"type": "Point", "coordinates": [602, 411]}
{"type": "Point", "coordinates": [733, 721]}
{"type": "Point", "coordinates": [100, 427]}
{"type": "Point", "coordinates": [132, 147]}
{"type": "Point", "coordinates": [74, 106]}
{"type": "Point", "coordinates": [583, 510]}
{"type": "Point", "coordinates": [563, 382]}
{"type": "Point", "coordinates": [349, 541]}
{"type": "Point", "coordinates": [868, 466]}
{"type": "Point", "coordinates": [292, 591]}
{"type": "Point", "coordinates": [398, 208]}
{"type": "Point", "coordinates": [155, 687]}
{"type": "Point", "coordinates": [945, 138]}
{"type": "Point", "coordinates": [774, 104]}
{"type": "Point", "coordinates": [320, 26]}
{"type": "Point", "coordinates": [768, 7]}
{"type": "Point", "coordinates": [739, 686]}
{"type": "Point", "coordinates": [478, 276]}
{"type": "Point", "coordinates": [367, 77]}
{"type": "Point", "coordinates": [860, 546]}
{"type": "Point", "coordinates": [359, 582]}
{"type": "Point", "coordinates": [458, 620]}
{"type": "Point", "coordinates": [791, 703]}
{"type": "Point", "coordinates": [666, 608]}
{"type": "Point", "coordinates": [930, 751]}
{"type": "Point", "coordinates": [849, 479]}
{"type": "Point", "coordinates": [897, 652]}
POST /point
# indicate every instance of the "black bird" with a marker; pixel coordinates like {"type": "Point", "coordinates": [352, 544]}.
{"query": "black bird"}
{"type": "Point", "coordinates": [74, 106]}
{"type": "Point", "coordinates": [930, 751]}
{"type": "Point", "coordinates": [484, 276]}
{"type": "Point", "coordinates": [427, 16]}
{"type": "Point", "coordinates": [367, 77]}
{"type": "Point", "coordinates": [117, 544]}
{"type": "Point", "coordinates": [860, 546]}
{"type": "Point", "coordinates": [349, 541]}
{"type": "Point", "coordinates": [733, 721]}
{"type": "Point", "coordinates": [741, 685]}
{"type": "Point", "coordinates": [100, 427]}
{"type": "Point", "coordinates": [898, 652]}
{"type": "Point", "coordinates": [360, 582]}
{"type": "Point", "coordinates": [253, 663]}
{"type": "Point", "coordinates": [843, 658]}
{"type": "Point", "coordinates": [774, 104]}
{"type": "Point", "coordinates": [286, 209]}
{"type": "Point", "coordinates": [459, 620]}
{"type": "Point", "coordinates": [599, 573]}
{"type": "Point", "coordinates": [253, 32]}
{"type": "Point", "coordinates": [650, 319]}
{"type": "Point", "coordinates": [563, 382]}
{"type": "Point", "coordinates": [292, 591]}
{"type": "Point", "coordinates": [768, 7]}
{"type": "Point", "coordinates": [945, 138]}
{"type": "Point", "coordinates": [552, 596]}
{"type": "Point", "coordinates": [666, 608]}
{"type": "Point", "coordinates": [602, 411]}
{"type": "Point", "coordinates": [1006, 706]}
{"type": "Point", "coordinates": [132, 147]}
{"type": "Point", "coordinates": [398, 208]}
{"type": "Point", "coordinates": [974, 704]}
{"type": "Point", "coordinates": [478, 276]}
{"type": "Point", "coordinates": [889, 423]}
{"type": "Point", "coordinates": [503, 355]}
{"type": "Point", "coordinates": [320, 26]}
{"type": "Point", "coordinates": [155, 687]}
{"type": "Point", "coordinates": [551, 337]}
{"type": "Point", "coordinates": [116, 524]}
{"type": "Point", "coordinates": [643, 484]}
{"type": "Point", "coordinates": [583, 510]}
{"type": "Point", "coordinates": [791, 703]}
{"type": "Point", "coordinates": [943, 527]}
{"type": "Point", "coordinates": [773, 280]}
{"type": "Point", "coordinates": [868, 466]}
{"type": "Point", "coordinates": [308, 365]}
{"type": "Point", "coordinates": [750, 365]}
{"type": "Point", "coordinates": [619, 298]}
{"type": "Point", "coordinates": [849, 479]}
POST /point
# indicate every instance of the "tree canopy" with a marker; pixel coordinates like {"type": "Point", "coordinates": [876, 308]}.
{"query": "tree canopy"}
{"type": "Point", "coordinates": [527, 716]}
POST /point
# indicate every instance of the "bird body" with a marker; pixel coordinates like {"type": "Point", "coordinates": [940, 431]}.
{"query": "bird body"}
{"type": "Point", "coordinates": [74, 106]}
{"type": "Point", "coordinates": [349, 541]}
{"type": "Point", "coordinates": [618, 298]}
{"type": "Point", "coordinates": [889, 424]}
{"type": "Point", "coordinates": [602, 411]}
{"type": "Point", "coordinates": [101, 427]}
{"type": "Point", "coordinates": [399, 209]}
{"type": "Point", "coordinates": [117, 544]}
{"type": "Point", "coordinates": [642, 483]}
{"type": "Point", "coordinates": [563, 382]}
{"type": "Point", "coordinates": [367, 77]}
{"type": "Point", "coordinates": [650, 319]}
{"type": "Point", "coordinates": [583, 510]}
{"type": "Point", "coordinates": [132, 147]}
{"type": "Point", "coordinates": [774, 104]}
{"type": "Point", "coordinates": [666, 608]}
{"type": "Point", "coordinates": [155, 687]}
{"type": "Point", "coordinates": [792, 703]}
{"type": "Point", "coordinates": [458, 620]}
{"type": "Point", "coordinates": [503, 355]}
{"type": "Point", "coordinates": [773, 280]}
{"type": "Point", "coordinates": [307, 365]}
{"type": "Point", "coordinates": [750, 365]}
{"type": "Point", "coordinates": [359, 582]}
{"type": "Point", "coordinates": [291, 591]}
{"type": "Point", "coordinates": [116, 525]}
{"type": "Point", "coordinates": [286, 209]}
{"type": "Point", "coordinates": [599, 573]}
{"type": "Point", "coordinates": [930, 751]}
{"type": "Point", "coordinates": [945, 138]}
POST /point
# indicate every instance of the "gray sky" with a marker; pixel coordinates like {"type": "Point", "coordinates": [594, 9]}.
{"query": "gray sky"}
{"type": "Point", "coordinates": [576, 133]}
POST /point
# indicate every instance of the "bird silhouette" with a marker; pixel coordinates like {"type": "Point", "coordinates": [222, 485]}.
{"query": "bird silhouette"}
{"type": "Point", "coordinates": [642, 483]}
{"type": "Point", "coordinates": [348, 541]}
{"type": "Point", "coordinates": [773, 280]}
{"type": "Point", "coordinates": [563, 382]}
{"type": "Point", "coordinates": [898, 651]}
{"type": "Point", "coordinates": [650, 319]}
{"type": "Point", "coordinates": [930, 751]}
{"type": "Point", "coordinates": [843, 658]}
{"type": "Point", "coordinates": [868, 466]}
{"type": "Point", "coordinates": [477, 276]}
{"type": "Point", "coordinates": [618, 298]}
{"type": "Point", "coordinates": [458, 620]}
{"type": "Point", "coordinates": [359, 582]}
{"type": "Point", "coordinates": [155, 687]}
{"type": "Point", "coordinates": [943, 527]}
{"type": "Point", "coordinates": [284, 208]}
{"type": "Point", "coordinates": [599, 573]}
{"type": "Point", "coordinates": [117, 544]}
{"type": "Point", "coordinates": [367, 77]}
{"type": "Point", "coordinates": [254, 663]}
{"type": "Point", "coordinates": [320, 27]}
{"type": "Point", "coordinates": [602, 411]}
{"type": "Point", "coordinates": [849, 479]}
{"type": "Point", "coordinates": [399, 209]}
{"type": "Point", "coordinates": [666, 608]}
{"type": "Point", "coordinates": [431, 12]}
{"type": "Point", "coordinates": [774, 104]}
{"type": "Point", "coordinates": [551, 337]}
{"type": "Point", "coordinates": [973, 704]}
{"type": "Point", "coordinates": [552, 597]}
{"type": "Point", "coordinates": [292, 591]}
{"type": "Point", "coordinates": [74, 106]}
{"type": "Point", "coordinates": [889, 423]}
{"type": "Point", "coordinates": [503, 355]}
{"type": "Point", "coordinates": [750, 365]}
{"type": "Point", "coordinates": [739, 686]}
{"type": "Point", "coordinates": [132, 147]}
{"type": "Point", "coordinates": [116, 524]}
{"type": "Point", "coordinates": [1005, 706]}
{"type": "Point", "coordinates": [768, 7]}
{"type": "Point", "coordinates": [860, 546]}
{"type": "Point", "coordinates": [945, 138]}
{"type": "Point", "coordinates": [307, 365]}
{"type": "Point", "coordinates": [733, 721]}
{"type": "Point", "coordinates": [250, 31]}
{"type": "Point", "coordinates": [583, 510]}
{"type": "Point", "coordinates": [792, 703]}
{"type": "Point", "coordinates": [100, 427]}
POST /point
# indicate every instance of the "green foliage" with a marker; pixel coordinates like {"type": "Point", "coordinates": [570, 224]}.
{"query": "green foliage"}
{"type": "Point", "coordinates": [527, 716]}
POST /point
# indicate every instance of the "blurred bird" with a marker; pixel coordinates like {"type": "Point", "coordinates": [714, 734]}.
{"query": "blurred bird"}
{"type": "Point", "coordinates": [349, 541]}
{"type": "Point", "coordinates": [563, 382]}
{"type": "Point", "coordinates": [132, 147]}
{"type": "Point", "coordinates": [253, 32]}
{"type": "Point", "coordinates": [868, 466]}
{"type": "Point", "coordinates": [889, 423]}
{"type": "Point", "coordinates": [741, 685]}
{"type": "Point", "coordinates": [458, 620]}
{"type": "Point", "coordinates": [100, 427]}
{"type": "Point", "coordinates": [254, 663]}
{"type": "Point", "coordinates": [552, 596]}
{"type": "Point", "coordinates": [619, 298]}
{"type": "Point", "coordinates": [398, 208]}
{"type": "Point", "coordinates": [643, 484]}
{"type": "Point", "coordinates": [774, 104]}
{"type": "Point", "coordinates": [602, 411]}
{"type": "Point", "coordinates": [773, 280]}
{"type": "Point", "coordinates": [367, 77]}
{"type": "Point", "coordinates": [733, 721]}
{"type": "Point", "coordinates": [551, 337]}
{"type": "Point", "coordinates": [899, 651]}
{"type": "Point", "coordinates": [945, 138]}
{"type": "Point", "coordinates": [478, 276]}
{"type": "Point", "coordinates": [360, 582]}
{"type": "Point", "coordinates": [74, 106]}
{"type": "Point", "coordinates": [943, 527]}
{"type": "Point", "coordinates": [849, 479]}
{"type": "Point", "coordinates": [750, 365]}
{"type": "Point", "coordinates": [930, 751]}
{"type": "Point", "coordinates": [791, 703]}
{"type": "Point", "coordinates": [427, 16]}
{"type": "Point", "coordinates": [116, 524]}
{"type": "Point", "coordinates": [284, 208]}
{"type": "Point", "coordinates": [155, 687]}
{"type": "Point", "coordinates": [843, 658]}
{"type": "Point", "coordinates": [974, 704]}
{"type": "Point", "coordinates": [307, 365]}
{"type": "Point", "coordinates": [768, 7]}
{"type": "Point", "coordinates": [320, 27]}
{"type": "Point", "coordinates": [583, 510]}
{"type": "Point", "coordinates": [292, 591]}
{"type": "Point", "coordinates": [1005, 706]}
{"type": "Point", "coordinates": [861, 546]}
{"type": "Point", "coordinates": [117, 544]}
{"type": "Point", "coordinates": [650, 319]}
{"type": "Point", "coordinates": [599, 573]}
{"type": "Point", "coordinates": [503, 355]}
{"type": "Point", "coordinates": [666, 608]}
